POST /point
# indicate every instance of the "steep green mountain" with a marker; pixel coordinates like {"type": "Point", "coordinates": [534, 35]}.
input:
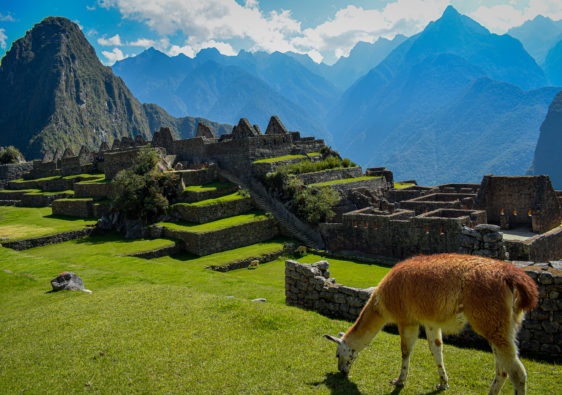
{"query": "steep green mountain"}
{"type": "Point", "coordinates": [547, 153]}
{"type": "Point", "coordinates": [553, 64]}
{"type": "Point", "coordinates": [538, 36]}
{"type": "Point", "coordinates": [54, 92]}
{"type": "Point", "coordinates": [428, 110]}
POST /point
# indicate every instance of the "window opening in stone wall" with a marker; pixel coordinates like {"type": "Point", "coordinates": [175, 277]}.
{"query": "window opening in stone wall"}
{"type": "Point", "coordinates": [426, 228]}
{"type": "Point", "coordinates": [502, 212]}
{"type": "Point", "coordinates": [365, 224]}
{"type": "Point", "coordinates": [514, 212]}
{"type": "Point", "coordinates": [441, 230]}
{"type": "Point", "coordinates": [355, 224]}
{"type": "Point", "coordinates": [375, 226]}
{"type": "Point", "coordinates": [529, 213]}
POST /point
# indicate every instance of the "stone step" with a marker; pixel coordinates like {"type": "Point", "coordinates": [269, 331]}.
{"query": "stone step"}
{"type": "Point", "coordinates": [212, 209]}
{"type": "Point", "coordinates": [9, 202]}
{"type": "Point", "coordinates": [223, 234]}
{"type": "Point", "coordinates": [81, 207]}
{"type": "Point", "coordinates": [44, 199]}
{"type": "Point", "coordinates": [96, 189]}
{"type": "Point", "coordinates": [15, 194]}
{"type": "Point", "coordinates": [197, 193]}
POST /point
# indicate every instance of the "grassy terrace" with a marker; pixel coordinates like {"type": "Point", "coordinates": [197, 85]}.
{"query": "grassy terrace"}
{"type": "Point", "coordinates": [67, 192]}
{"type": "Point", "coordinates": [21, 222]}
{"type": "Point", "coordinates": [167, 326]}
{"type": "Point", "coordinates": [400, 185]}
{"type": "Point", "coordinates": [213, 186]}
{"type": "Point", "coordinates": [224, 223]}
{"type": "Point", "coordinates": [19, 190]}
{"type": "Point", "coordinates": [223, 199]}
{"type": "Point", "coordinates": [344, 181]}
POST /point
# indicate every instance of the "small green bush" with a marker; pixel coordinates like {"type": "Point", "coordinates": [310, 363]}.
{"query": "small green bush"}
{"type": "Point", "coordinates": [315, 204]}
{"type": "Point", "coordinates": [141, 191]}
{"type": "Point", "coordinates": [11, 154]}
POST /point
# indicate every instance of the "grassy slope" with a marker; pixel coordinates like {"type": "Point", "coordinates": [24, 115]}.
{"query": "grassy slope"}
{"type": "Point", "coordinates": [223, 199]}
{"type": "Point", "coordinates": [343, 181]}
{"type": "Point", "coordinates": [167, 326]}
{"type": "Point", "coordinates": [219, 224]}
{"type": "Point", "coordinates": [23, 222]}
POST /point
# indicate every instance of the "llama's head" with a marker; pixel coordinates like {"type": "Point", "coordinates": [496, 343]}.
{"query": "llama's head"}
{"type": "Point", "coordinates": [344, 353]}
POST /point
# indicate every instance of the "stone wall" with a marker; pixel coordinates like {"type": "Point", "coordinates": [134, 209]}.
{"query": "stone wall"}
{"type": "Point", "coordinates": [47, 240]}
{"type": "Point", "coordinates": [310, 287]}
{"type": "Point", "coordinates": [41, 200]}
{"type": "Point", "coordinates": [211, 212]}
{"type": "Point", "coordinates": [371, 184]}
{"type": "Point", "coordinates": [515, 201]}
{"type": "Point", "coordinates": [80, 208]}
{"type": "Point", "coordinates": [543, 247]}
{"type": "Point", "coordinates": [331, 175]}
{"type": "Point", "coordinates": [13, 171]}
{"type": "Point", "coordinates": [197, 196]}
{"type": "Point", "coordinates": [241, 264]}
{"type": "Point", "coordinates": [94, 189]}
{"type": "Point", "coordinates": [199, 176]}
{"type": "Point", "coordinates": [484, 240]}
{"type": "Point", "coordinates": [398, 234]}
{"type": "Point", "coordinates": [435, 201]}
{"type": "Point", "coordinates": [225, 239]}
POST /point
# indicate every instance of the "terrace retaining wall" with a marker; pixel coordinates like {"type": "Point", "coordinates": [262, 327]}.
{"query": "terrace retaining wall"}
{"type": "Point", "coordinates": [211, 212]}
{"type": "Point", "coordinates": [330, 175]}
{"type": "Point", "coordinates": [309, 286]}
{"type": "Point", "coordinates": [47, 240]}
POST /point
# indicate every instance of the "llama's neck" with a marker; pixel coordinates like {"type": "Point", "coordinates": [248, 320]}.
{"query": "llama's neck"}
{"type": "Point", "coordinates": [369, 323]}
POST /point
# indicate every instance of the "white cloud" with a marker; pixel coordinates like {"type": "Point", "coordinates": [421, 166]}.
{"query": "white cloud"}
{"type": "Point", "coordinates": [3, 39]}
{"type": "Point", "coordinates": [142, 42]}
{"type": "Point", "coordinates": [353, 24]}
{"type": "Point", "coordinates": [113, 56]}
{"type": "Point", "coordinates": [186, 50]}
{"type": "Point", "coordinates": [6, 18]}
{"type": "Point", "coordinates": [111, 41]}
{"type": "Point", "coordinates": [92, 32]}
{"type": "Point", "coordinates": [92, 8]}
{"type": "Point", "coordinates": [500, 18]}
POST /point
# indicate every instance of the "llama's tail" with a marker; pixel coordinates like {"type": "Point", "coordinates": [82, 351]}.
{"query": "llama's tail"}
{"type": "Point", "coordinates": [524, 288]}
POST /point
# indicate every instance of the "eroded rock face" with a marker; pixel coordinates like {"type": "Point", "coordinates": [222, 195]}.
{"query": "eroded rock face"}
{"type": "Point", "coordinates": [69, 281]}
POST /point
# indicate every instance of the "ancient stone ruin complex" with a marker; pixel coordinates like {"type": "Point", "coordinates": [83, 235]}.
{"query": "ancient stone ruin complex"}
{"type": "Point", "coordinates": [373, 217]}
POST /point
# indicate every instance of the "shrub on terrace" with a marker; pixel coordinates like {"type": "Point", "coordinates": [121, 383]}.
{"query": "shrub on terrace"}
{"type": "Point", "coordinates": [10, 154]}
{"type": "Point", "coordinates": [142, 191]}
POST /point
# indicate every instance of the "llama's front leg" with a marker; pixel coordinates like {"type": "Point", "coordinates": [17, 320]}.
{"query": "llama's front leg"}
{"type": "Point", "coordinates": [436, 346]}
{"type": "Point", "coordinates": [408, 337]}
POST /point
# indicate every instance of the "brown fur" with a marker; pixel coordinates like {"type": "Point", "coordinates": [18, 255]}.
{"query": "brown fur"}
{"type": "Point", "coordinates": [442, 292]}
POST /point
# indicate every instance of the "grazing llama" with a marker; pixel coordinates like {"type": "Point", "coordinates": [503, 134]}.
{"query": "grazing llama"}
{"type": "Point", "coordinates": [442, 292]}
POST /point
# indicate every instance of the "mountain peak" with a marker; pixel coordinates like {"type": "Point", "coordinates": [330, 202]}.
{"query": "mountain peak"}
{"type": "Point", "coordinates": [450, 12]}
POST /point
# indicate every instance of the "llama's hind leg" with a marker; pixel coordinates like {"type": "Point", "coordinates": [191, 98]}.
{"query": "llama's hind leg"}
{"type": "Point", "coordinates": [501, 375]}
{"type": "Point", "coordinates": [506, 357]}
{"type": "Point", "coordinates": [436, 346]}
{"type": "Point", "coordinates": [408, 337]}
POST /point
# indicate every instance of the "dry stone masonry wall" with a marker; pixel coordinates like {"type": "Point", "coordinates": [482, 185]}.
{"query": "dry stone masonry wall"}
{"type": "Point", "coordinates": [484, 240]}
{"type": "Point", "coordinates": [309, 286]}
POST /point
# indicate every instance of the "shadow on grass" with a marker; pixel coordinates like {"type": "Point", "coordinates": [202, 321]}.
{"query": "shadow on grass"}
{"type": "Point", "coordinates": [65, 218]}
{"type": "Point", "coordinates": [339, 383]}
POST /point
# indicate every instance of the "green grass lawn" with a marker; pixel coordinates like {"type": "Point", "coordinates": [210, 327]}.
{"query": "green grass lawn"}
{"type": "Point", "coordinates": [344, 181]}
{"type": "Point", "coordinates": [280, 158]}
{"type": "Point", "coordinates": [401, 185]}
{"type": "Point", "coordinates": [252, 216]}
{"type": "Point", "coordinates": [66, 192]}
{"type": "Point", "coordinates": [213, 186]}
{"type": "Point", "coordinates": [223, 199]}
{"type": "Point", "coordinates": [171, 326]}
{"type": "Point", "coordinates": [167, 326]}
{"type": "Point", "coordinates": [26, 222]}
{"type": "Point", "coordinates": [19, 190]}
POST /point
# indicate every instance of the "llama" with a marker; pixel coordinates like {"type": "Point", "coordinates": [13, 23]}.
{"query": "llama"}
{"type": "Point", "coordinates": [442, 292]}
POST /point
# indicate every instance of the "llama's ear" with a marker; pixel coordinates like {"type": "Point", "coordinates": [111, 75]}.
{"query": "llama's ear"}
{"type": "Point", "coordinates": [333, 338]}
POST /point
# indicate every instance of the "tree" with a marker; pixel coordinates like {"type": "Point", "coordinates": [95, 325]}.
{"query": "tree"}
{"type": "Point", "coordinates": [142, 191]}
{"type": "Point", "coordinates": [11, 155]}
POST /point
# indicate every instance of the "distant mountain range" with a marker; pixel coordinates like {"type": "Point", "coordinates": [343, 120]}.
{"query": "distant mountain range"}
{"type": "Point", "coordinates": [547, 158]}
{"type": "Point", "coordinates": [447, 105]}
{"type": "Point", "coordinates": [538, 36]}
{"type": "Point", "coordinates": [55, 93]}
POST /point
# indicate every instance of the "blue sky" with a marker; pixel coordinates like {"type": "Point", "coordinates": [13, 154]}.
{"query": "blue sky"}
{"type": "Point", "coordinates": [325, 30]}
